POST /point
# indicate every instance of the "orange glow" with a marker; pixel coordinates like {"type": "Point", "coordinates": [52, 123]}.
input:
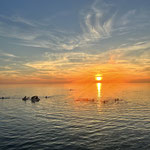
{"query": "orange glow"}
{"type": "Point", "coordinates": [109, 73]}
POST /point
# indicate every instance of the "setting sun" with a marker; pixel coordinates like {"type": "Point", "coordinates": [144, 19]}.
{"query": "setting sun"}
{"type": "Point", "coordinates": [98, 77]}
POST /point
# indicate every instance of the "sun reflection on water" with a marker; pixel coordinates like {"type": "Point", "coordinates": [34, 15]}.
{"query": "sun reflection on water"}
{"type": "Point", "coordinates": [99, 86]}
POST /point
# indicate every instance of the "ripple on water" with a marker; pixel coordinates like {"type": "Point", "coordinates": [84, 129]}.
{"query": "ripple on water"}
{"type": "Point", "coordinates": [62, 123]}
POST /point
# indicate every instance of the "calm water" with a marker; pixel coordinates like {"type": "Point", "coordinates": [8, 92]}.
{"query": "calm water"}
{"type": "Point", "coordinates": [76, 117]}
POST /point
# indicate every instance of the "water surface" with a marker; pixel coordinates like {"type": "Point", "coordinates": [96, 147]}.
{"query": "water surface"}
{"type": "Point", "coordinates": [75, 117]}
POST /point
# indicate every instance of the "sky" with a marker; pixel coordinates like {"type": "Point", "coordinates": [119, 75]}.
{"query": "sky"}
{"type": "Point", "coordinates": [58, 41]}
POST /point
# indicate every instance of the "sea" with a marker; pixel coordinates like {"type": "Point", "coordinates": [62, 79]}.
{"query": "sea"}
{"type": "Point", "coordinates": [96, 116]}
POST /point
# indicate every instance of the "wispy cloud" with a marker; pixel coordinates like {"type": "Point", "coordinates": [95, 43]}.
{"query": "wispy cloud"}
{"type": "Point", "coordinates": [126, 18]}
{"type": "Point", "coordinates": [19, 19]}
{"type": "Point", "coordinates": [7, 54]}
{"type": "Point", "coordinates": [136, 54]}
{"type": "Point", "coordinates": [97, 22]}
{"type": "Point", "coordinates": [95, 25]}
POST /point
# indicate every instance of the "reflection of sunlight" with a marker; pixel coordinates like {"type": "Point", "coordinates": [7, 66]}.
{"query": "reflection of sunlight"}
{"type": "Point", "coordinates": [99, 85]}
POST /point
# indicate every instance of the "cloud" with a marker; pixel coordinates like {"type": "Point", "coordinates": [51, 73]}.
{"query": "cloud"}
{"type": "Point", "coordinates": [41, 65]}
{"type": "Point", "coordinates": [13, 31]}
{"type": "Point", "coordinates": [72, 58]}
{"type": "Point", "coordinates": [8, 55]}
{"type": "Point", "coordinates": [2, 68]}
{"type": "Point", "coordinates": [147, 69]}
{"type": "Point", "coordinates": [131, 58]}
{"type": "Point", "coordinates": [126, 18]}
{"type": "Point", "coordinates": [105, 40]}
{"type": "Point", "coordinates": [96, 23]}
{"type": "Point", "coordinates": [35, 34]}
{"type": "Point", "coordinates": [19, 19]}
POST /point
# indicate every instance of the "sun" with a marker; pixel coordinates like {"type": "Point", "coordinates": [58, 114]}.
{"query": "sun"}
{"type": "Point", "coordinates": [98, 77]}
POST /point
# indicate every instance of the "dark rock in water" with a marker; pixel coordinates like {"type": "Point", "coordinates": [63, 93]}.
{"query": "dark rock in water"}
{"type": "Point", "coordinates": [70, 89]}
{"type": "Point", "coordinates": [117, 99]}
{"type": "Point", "coordinates": [2, 97]}
{"type": "Point", "coordinates": [25, 98]}
{"type": "Point", "coordinates": [104, 101]}
{"type": "Point", "coordinates": [35, 99]}
{"type": "Point", "coordinates": [85, 99]}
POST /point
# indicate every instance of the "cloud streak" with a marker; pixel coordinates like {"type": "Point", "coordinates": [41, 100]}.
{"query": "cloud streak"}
{"type": "Point", "coordinates": [8, 55]}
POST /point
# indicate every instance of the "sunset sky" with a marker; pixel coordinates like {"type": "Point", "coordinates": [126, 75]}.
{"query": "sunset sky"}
{"type": "Point", "coordinates": [48, 41]}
